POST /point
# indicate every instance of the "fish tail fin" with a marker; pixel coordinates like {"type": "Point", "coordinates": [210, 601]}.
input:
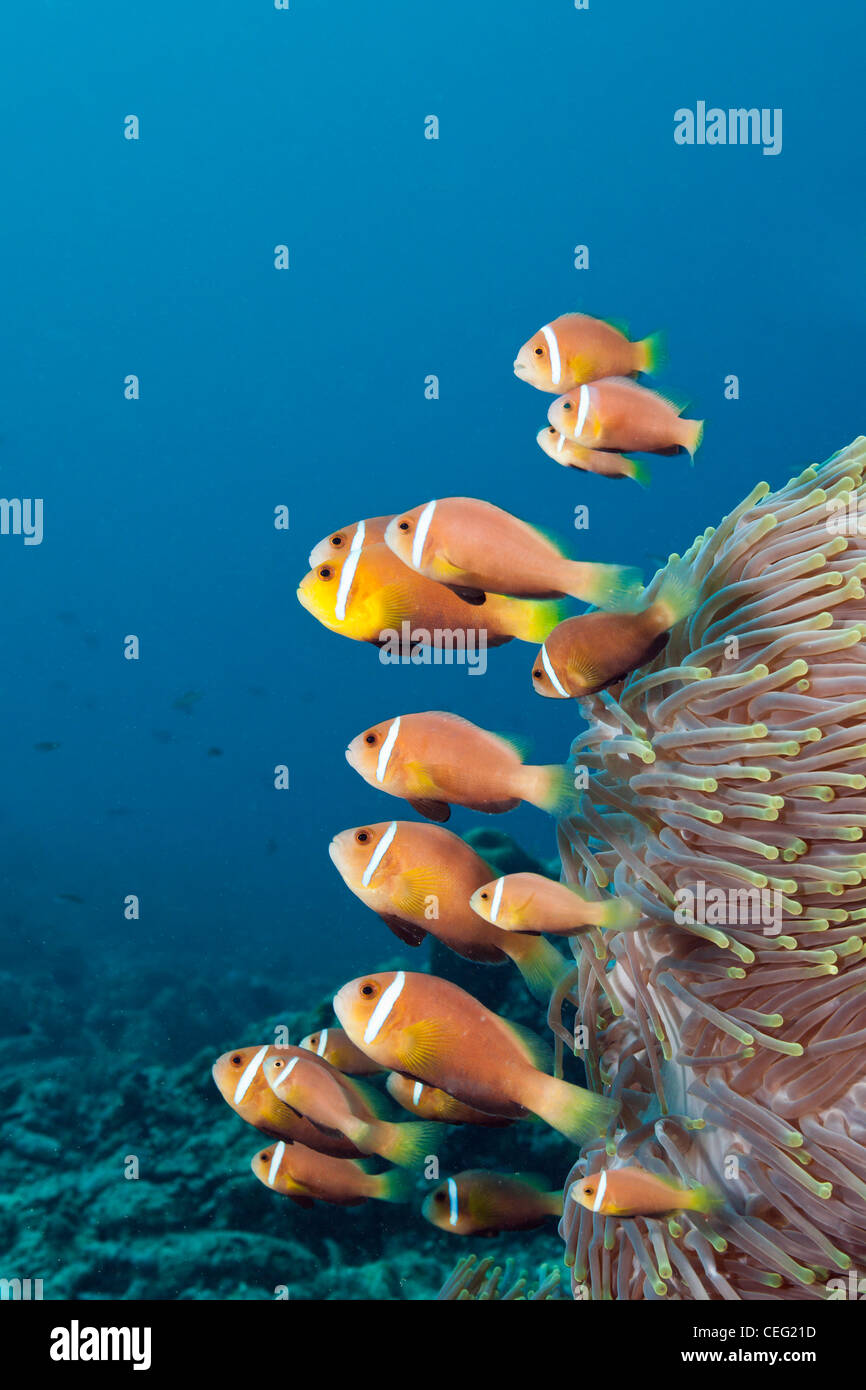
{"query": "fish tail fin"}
{"type": "Point", "coordinates": [639, 471]}
{"type": "Point", "coordinates": [615, 588]}
{"type": "Point", "coordinates": [573, 1111]}
{"type": "Point", "coordinates": [704, 1200]}
{"type": "Point", "coordinates": [551, 788]}
{"type": "Point", "coordinates": [538, 961]}
{"type": "Point", "coordinates": [407, 1144]}
{"type": "Point", "coordinates": [653, 353]}
{"type": "Point", "coordinates": [677, 595]}
{"type": "Point", "coordinates": [618, 914]}
{"type": "Point", "coordinates": [395, 1186]}
{"type": "Point", "coordinates": [532, 619]}
{"type": "Point", "coordinates": [692, 436]}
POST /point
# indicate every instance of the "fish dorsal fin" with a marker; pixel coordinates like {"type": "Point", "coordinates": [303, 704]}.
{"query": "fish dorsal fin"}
{"type": "Point", "coordinates": [535, 1180]}
{"type": "Point", "coordinates": [534, 1049]}
{"type": "Point", "coordinates": [518, 743]}
{"type": "Point", "coordinates": [375, 1102]}
{"type": "Point", "coordinates": [406, 932]}
{"type": "Point", "coordinates": [420, 1044]}
{"type": "Point", "coordinates": [621, 326]}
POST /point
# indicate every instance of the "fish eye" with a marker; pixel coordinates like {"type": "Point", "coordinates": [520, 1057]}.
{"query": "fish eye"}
{"type": "Point", "coordinates": [236, 1060]}
{"type": "Point", "coordinates": [439, 1197]}
{"type": "Point", "coordinates": [485, 896]}
{"type": "Point", "coordinates": [588, 1191]}
{"type": "Point", "coordinates": [369, 738]}
{"type": "Point", "coordinates": [539, 352]}
{"type": "Point", "coordinates": [277, 1063]}
{"type": "Point", "coordinates": [566, 405]}
{"type": "Point", "coordinates": [536, 675]}
{"type": "Point", "coordinates": [368, 989]}
{"type": "Point", "coordinates": [314, 1039]}
{"type": "Point", "coordinates": [336, 540]}
{"type": "Point", "coordinates": [404, 525]}
{"type": "Point", "coordinates": [326, 572]}
{"type": "Point", "coordinates": [362, 837]}
{"type": "Point", "coordinates": [551, 430]}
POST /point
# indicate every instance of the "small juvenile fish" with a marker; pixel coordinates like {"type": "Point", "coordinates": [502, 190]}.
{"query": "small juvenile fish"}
{"type": "Point", "coordinates": [635, 1192]}
{"type": "Point", "coordinates": [610, 465]}
{"type": "Point", "coordinates": [437, 760]}
{"type": "Point", "coordinates": [354, 537]}
{"type": "Point", "coordinates": [430, 1029]}
{"type": "Point", "coordinates": [323, 1095]}
{"type": "Point", "coordinates": [480, 1202]}
{"type": "Point", "coordinates": [532, 903]}
{"type": "Point", "coordinates": [472, 547]}
{"type": "Point", "coordinates": [576, 348]}
{"type": "Point", "coordinates": [335, 1045]}
{"type": "Point", "coordinates": [241, 1083]}
{"type": "Point", "coordinates": [590, 652]}
{"type": "Point", "coordinates": [47, 746]}
{"type": "Point", "coordinates": [371, 592]}
{"type": "Point", "coordinates": [419, 879]}
{"type": "Point", "coordinates": [437, 1105]}
{"type": "Point", "coordinates": [619, 414]}
{"type": "Point", "coordinates": [307, 1176]}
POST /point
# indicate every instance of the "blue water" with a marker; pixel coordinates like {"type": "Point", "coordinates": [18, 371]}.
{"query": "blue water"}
{"type": "Point", "coordinates": [306, 388]}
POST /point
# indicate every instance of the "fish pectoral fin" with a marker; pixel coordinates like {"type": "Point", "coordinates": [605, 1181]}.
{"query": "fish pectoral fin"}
{"type": "Point", "coordinates": [421, 1043]}
{"type": "Point", "coordinates": [414, 889]}
{"type": "Point", "coordinates": [407, 932]}
{"type": "Point", "coordinates": [394, 604]}
{"type": "Point", "coordinates": [433, 810]}
{"type": "Point", "coordinates": [584, 672]}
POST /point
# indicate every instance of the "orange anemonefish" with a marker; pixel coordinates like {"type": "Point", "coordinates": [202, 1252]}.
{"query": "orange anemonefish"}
{"type": "Point", "coordinates": [480, 1202]}
{"type": "Point", "coordinates": [433, 1104]}
{"type": "Point", "coordinates": [307, 1176]}
{"type": "Point", "coordinates": [473, 547]}
{"type": "Point", "coordinates": [619, 414]}
{"type": "Point", "coordinates": [436, 760]}
{"type": "Point", "coordinates": [241, 1083]}
{"type": "Point", "coordinates": [349, 538]}
{"type": "Point", "coordinates": [419, 879]}
{"type": "Point", "coordinates": [430, 1029]}
{"type": "Point", "coordinates": [602, 461]}
{"type": "Point", "coordinates": [635, 1192]}
{"type": "Point", "coordinates": [337, 1047]}
{"type": "Point", "coordinates": [575, 348]}
{"type": "Point", "coordinates": [532, 903]}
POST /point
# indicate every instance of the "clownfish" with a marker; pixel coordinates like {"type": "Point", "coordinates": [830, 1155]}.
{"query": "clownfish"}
{"type": "Point", "coordinates": [369, 594]}
{"type": "Point", "coordinates": [419, 879]}
{"type": "Point", "coordinates": [603, 461]}
{"type": "Point", "coordinates": [472, 547]}
{"type": "Point", "coordinates": [307, 1176]}
{"type": "Point", "coordinates": [433, 1104]}
{"type": "Point", "coordinates": [241, 1083]}
{"type": "Point", "coordinates": [430, 1029]}
{"type": "Point", "coordinates": [436, 760]}
{"type": "Point", "coordinates": [339, 543]}
{"type": "Point", "coordinates": [337, 1048]}
{"type": "Point", "coordinates": [334, 1102]}
{"type": "Point", "coordinates": [480, 1202]}
{"type": "Point", "coordinates": [619, 414]}
{"type": "Point", "coordinates": [635, 1192]}
{"type": "Point", "coordinates": [590, 652]}
{"type": "Point", "coordinates": [532, 903]}
{"type": "Point", "coordinates": [575, 348]}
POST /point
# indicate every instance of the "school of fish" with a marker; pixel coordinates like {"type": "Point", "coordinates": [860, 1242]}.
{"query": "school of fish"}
{"type": "Point", "coordinates": [411, 1054]}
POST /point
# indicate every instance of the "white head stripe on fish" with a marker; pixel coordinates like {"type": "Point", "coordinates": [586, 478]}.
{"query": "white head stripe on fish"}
{"type": "Point", "coordinates": [554, 678]}
{"type": "Point", "coordinates": [276, 1160]}
{"type": "Point", "coordinates": [246, 1080]}
{"type": "Point", "coordinates": [358, 538]}
{"type": "Point", "coordinates": [599, 1196]}
{"type": "Point", "coordinates": [387, 749]}
{"type": "Point", "coordinates": [421, 533]}
{"type": "Point", "coordinates": [289, 1069]}
{"type": "Point", "coordinates": [323, 1043]}
{"type": "Point", "coordinates": [379, 1016]}
{"type": "Point", "coordinates": [553, 347]}
{"type": "Point", "coordinates": [582, 408]}
{"type": "Point", "coordinates": [561, 445]}
{"type": "Point", "coordinates": [455, 1201]}
{"type": "Point", "coordinates": [416, 1092]}
{"type": "Point", "coordinates": [497, 899]}
{"type": "Point", "coordinates": [378, 854]}
{"type": "Point", "coordinates": [347, 576]}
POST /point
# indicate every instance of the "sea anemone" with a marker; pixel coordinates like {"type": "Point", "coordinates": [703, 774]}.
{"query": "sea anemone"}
{"type": "Point", "coordinates": [485, 1281]}
{"type": "Point", "coordinates": [724, 793]}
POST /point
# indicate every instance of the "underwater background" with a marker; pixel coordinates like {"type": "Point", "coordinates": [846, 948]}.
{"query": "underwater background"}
{"type": "Point", "coordinates": [305, 388]}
